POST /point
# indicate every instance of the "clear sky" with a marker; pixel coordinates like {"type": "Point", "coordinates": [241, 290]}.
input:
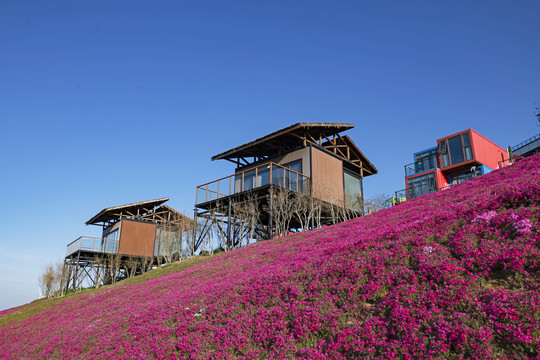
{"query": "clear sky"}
{"type": "Point", "coordinates": [104, 103]}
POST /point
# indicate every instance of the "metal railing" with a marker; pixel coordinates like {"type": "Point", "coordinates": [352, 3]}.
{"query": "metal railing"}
{"type": "Point", "coordinates": [415, 191]}
{"type": "Point", "coordinates": [262, 175]}
{"type": "Point", "coordinates": [425, 164]}
{"type": "Point", "coordinates": [526, 142]}
{"type": "Point", "coordinates": [92, 244]}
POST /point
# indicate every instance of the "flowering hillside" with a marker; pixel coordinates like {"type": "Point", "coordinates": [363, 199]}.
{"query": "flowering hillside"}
{"type": "Point", "coordinates": [449, 275]}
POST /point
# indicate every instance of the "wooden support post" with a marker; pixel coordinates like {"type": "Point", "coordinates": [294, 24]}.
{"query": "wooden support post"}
{"type": "Point", "coordinates": [194, 233]}
{"type": "Point", "coordinates": [229, 210]}
{"type": "Point", "coordinates": [270, 220]}
{"type": "Point", "coordinates": [76, 275]}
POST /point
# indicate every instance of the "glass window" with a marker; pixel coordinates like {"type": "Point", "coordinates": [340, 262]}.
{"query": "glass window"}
{"type": "Point", "coordinates": [464, 176]}
{"type": "Point", "coordinates": [109, 242]}
{"type": "Point", "coordinates": [294, 179]}
{"type": "Point", "coordinates": [113, 235]}
{"type": "Point", "coordinates": [263, 175]}
{"type": "Point", "coordinates": [249, 180]}
{"type": "Point", "coordinates": [468, 153]}
{"type": "Point", "coordinates": [445, 161]}
{"type": "Point", "coordinates": [456, 150]}
{"type": "Point", "coordinates": [237, 183]}
{"type": "Point", "coordinates": [244, 181]}
{"type": "Point", "coordinates": [421, 185]}
{"type": "Point", "coordinates": [466, 141]}
{"type": "Point", "coordinates": [278, 176]}
{"type": "Point", "coordinates": [419, 166]}
{"type": "Point", "coordinates": [426, 160]}
{"type": "Point", "coordinates": [467, 147]}
{"type": "Point", "coordinates": [442, 147]}
{"type": "Point", "coordinates": [353, 190]}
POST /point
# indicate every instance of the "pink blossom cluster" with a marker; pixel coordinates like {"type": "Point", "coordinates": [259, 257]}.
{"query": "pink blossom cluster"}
{"type": "Point", "coordinates": [450, 275]}
{"type": "Point", "coordinates": [485, 217]}
{"type": "Point", "coordinates": [523, 226]}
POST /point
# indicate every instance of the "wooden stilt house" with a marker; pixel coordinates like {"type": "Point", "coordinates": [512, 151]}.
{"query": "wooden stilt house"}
{"type": "Point", "coordinates": [130, 233]}
{"type": "Point", "coordinates": [309, 159]}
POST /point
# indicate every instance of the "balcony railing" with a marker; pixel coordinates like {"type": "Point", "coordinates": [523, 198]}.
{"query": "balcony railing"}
{"type": "Point", "coordinates": [262, 175]}
{"type": "Point", "coordinates": [92, 244]}
{"type": "Point", "coordinates": [526, 142]}
{"type": "Point", "coordinates": [415, 191]}
{"type": "Point", "coordinates": [424, 164]}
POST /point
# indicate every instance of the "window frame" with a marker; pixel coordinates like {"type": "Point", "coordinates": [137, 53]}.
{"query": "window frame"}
{"type": "Point", "coordinates": [357, 177]}
{"type": "Point", "coordinates": [446, 152]}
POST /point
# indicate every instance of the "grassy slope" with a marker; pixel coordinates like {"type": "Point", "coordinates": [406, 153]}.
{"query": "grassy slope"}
{"type": "Point", "coordinates": [449, 275]}
{"type": "Point", "coordinates": [24, 312]}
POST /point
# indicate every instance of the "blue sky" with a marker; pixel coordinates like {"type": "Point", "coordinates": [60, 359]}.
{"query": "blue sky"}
{"type": "Point", "coordinates": [110, 102]}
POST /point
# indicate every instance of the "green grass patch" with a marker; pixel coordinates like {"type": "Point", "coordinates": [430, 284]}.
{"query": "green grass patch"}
{"type": "Point", "coordinates": [26, 311]}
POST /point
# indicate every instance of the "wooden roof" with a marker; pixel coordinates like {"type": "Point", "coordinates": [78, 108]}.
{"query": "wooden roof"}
{"type": "Point", "coordinates": [356, 156]}
{"type": "Point", "coordinates": [179, 217]}
{"type": "Point", "coordinates": [282, 140]}
{"type": "Point", "coordinates": [150, 210]}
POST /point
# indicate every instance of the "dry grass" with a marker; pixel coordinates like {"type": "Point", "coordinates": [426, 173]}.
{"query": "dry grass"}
{"type": "Point", "coordinates": [25, 311]}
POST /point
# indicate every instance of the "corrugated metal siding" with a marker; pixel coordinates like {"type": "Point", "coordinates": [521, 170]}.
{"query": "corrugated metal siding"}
{"type": "Point", "coordinates": [327, 177]}
{"type": "Point", "coordinates": [137, 238]}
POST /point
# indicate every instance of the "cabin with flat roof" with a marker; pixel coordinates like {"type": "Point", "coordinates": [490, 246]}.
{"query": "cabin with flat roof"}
{"type": "Point", "coordinates": [312, 160]}
{"type": "Point", "coordinates": [131, 233]}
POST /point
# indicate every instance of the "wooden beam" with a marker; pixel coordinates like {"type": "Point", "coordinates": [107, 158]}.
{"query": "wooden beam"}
{"type": "Point", "coordinates": [234, 162]}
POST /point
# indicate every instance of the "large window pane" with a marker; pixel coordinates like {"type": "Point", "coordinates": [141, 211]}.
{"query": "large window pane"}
{"type": "Point", "coordinates": [249, 180]}
{"type": "Point", "coordinates": [456, 150]}
{"type": "Point", "coordinates": [445, 161]}
{"type": "Point", "coordinates": [468, 153]}
{"type": "Point", "coordinates": [278, 177]}
{"type": "Point", "coordinates": [244, 181]}
{"type": "Point", "coordinates": [421, 185]}
{"type": "Point", "coordinates": [466, 140]}
{"type": "Point", "coordinates": [466, 175]}
{"type": "Point", "coordinates": [353, 191]}
{"type": "Point", "coordinates": [263, 175]}
{"type": "Point", "coordinates": [426, 160]}
{"type": "Point", "coordinates": [442, 147]}
{"type": "Point", "coordinates": [237, 183]}
{"type": "Point", "coordinates": [113, 235]}
{"type": "Point", "coordinates": [292, 177]}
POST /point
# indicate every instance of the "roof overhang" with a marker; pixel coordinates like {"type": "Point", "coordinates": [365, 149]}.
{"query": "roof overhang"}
{"type": "Point", "coordinates": [116, 212]}
{"type": "Point", "coordinates": [283, 140]}
{"type": "Point", "coordinates": [356, 156]}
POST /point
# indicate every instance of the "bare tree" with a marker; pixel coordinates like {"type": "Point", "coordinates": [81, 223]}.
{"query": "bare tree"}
{"type": "Point", "coordinates": [147, 263]}
{"type": "Point", "coordinates": [131, 266]}
{"type": "Point", "coordinates": [375, 203]}
{"type": "Point", "coordinates": [46, 281]}
{"type": "Point", "coordinates": [303, 210]}
{"type": "Point", "coordinates": [100, 266]}
{"type": "Point", "coordinates": [247, 213]}
{"type": "Point", "coordinates": [52, 280]}
{"type": "Point", "coordinates": [114, 262]}
{"type": "Point", "coordinates": [281, 207]}
{"type": "Point", "coordinates": [168, 244]}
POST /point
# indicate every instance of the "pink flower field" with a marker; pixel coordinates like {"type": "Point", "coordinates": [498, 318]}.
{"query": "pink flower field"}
{"type": "Point", "coordinates": [445, 276]}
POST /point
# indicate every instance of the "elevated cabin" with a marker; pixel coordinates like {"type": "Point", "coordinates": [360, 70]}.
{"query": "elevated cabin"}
{"type": "Point", "coordinates": [456, 158]}
{"type": "Point", "coordinates": [131, 231]}
{"type": "Point", "coordinates": [312, 159]}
